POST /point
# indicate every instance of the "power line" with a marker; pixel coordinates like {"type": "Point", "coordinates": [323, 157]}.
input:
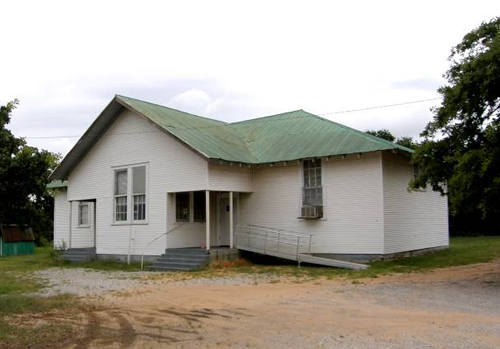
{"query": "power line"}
{"type": "Point", "coordinates": [382, 106]}
{"type": "Point", "coordinates": [50, 137]}
{"type": "Point", "coordinates": [225, 125]}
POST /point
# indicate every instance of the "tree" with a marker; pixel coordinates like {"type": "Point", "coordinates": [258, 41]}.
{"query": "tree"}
{"type": "Point", "coordinates": [388, 136]}
{"type": "Point", "coordinates": [384, 134]}
{"type": "Point", "coordinates": [460, 154]}
{"type": "Point", "coordinates": [24, 172]}
{"type": "Point", "coordinates": [407, 142]}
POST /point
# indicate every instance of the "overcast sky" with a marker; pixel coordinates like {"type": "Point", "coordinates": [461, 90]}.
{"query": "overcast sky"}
{"type": "Point", "coordinates": [230, 60]}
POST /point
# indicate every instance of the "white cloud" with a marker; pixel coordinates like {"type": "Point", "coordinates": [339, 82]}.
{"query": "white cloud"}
{"type": "Point", "coordinates": [228, 60]}
{"type": "Point", "coordinates": [192, 100]}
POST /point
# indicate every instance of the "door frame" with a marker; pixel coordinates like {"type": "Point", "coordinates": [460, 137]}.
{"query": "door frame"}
{"type": "Point", "coordinates": [221, 197]}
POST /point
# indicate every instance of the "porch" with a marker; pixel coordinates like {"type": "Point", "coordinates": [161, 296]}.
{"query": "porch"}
{"type": "Point", "coordinates": [202, 219]}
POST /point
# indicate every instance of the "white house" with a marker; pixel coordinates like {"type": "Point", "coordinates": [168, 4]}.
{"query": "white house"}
{"type": "Point", "coordinates": [145, 178]}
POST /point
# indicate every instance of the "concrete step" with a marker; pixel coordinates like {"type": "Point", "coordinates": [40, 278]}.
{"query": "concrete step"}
{"type": "Point", "coordinates": [78, 254]}
{"type": "Point", "coordinates": [193, 265]}
{"type": "Point", "coordinates": [162, 268]}
{"type": "Point", "coordinates": [190, 251]}
{"type": "Point", "coordinates": [80, 251]}
{"type": "Point", "coordinates": [77, 258]}
{"type": "Point", "coordinates": [184, 256]}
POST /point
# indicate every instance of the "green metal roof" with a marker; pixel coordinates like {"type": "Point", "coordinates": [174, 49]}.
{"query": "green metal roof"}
{"type": "Point", "coordinates": [212, 138]}
{"type": "Point", "coordinates": [282, 137]}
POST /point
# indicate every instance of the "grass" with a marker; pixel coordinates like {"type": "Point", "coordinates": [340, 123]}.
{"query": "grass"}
{"type": "Point", "coordinates": [462, 251]}
{"type": "Point", "coordinates": [17, 282]}
{"type": "Point", "coordinates": [17, 286]}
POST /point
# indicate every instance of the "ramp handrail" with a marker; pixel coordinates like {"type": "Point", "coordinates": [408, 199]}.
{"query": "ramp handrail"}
{"type": "Point", "coordinates": [176, 226]}
{"type": "Point", "coordinates": [264, 235]}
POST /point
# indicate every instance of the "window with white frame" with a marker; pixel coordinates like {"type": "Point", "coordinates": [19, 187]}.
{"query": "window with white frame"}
{"type": "Point", "coordinates": [312, 190]}
{"type": "Point", "coordinates": [130, 189]}
{"type": "Point", "coordinates": [83, 214]}
{"type": "Point", "coordinates": [121, 184]}
{"type": "Point", "coordinates": [139, 192]}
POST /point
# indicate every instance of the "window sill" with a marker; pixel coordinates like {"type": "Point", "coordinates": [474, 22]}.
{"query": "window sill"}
{"type": "Point", "coordinates": [129, 223]}
{"type": "Point", "coordinates": [84, 226]}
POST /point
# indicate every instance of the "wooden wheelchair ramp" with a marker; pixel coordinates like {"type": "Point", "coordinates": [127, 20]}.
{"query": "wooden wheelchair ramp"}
{"type": "Point", "coordinates": [285, 244]}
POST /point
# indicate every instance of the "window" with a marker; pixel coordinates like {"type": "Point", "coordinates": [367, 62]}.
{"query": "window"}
{"type": "Point", "coordinates": [139, 192]}
{"type": "Point", "coordinates": [130, 190]}
{"type": "Point", "coordinates": [182, 207]}
{"type": "Point", "coordinates": [312, 192]}
{"type": "Point", "coordinates": [83, 214]}
{"type": "Point", "coordinates": [121, 180]}
{"type": "Point", "coordinates": [199, 206]}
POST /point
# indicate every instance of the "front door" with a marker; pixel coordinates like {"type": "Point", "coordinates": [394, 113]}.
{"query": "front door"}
{"type": "Point", "coordinates": [223, 220]}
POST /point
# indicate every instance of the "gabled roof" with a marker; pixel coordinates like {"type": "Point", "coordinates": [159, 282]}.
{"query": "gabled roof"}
{"type": "Point", "coordinates": [283, 137]}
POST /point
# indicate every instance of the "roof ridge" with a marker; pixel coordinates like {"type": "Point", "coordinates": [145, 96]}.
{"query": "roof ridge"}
{"type": "Point", "coordinates": [177, 110]}
{"type": "Point", "coordinates": [364, 134]}
{"type": "Point", "coordinates": [264, 117]}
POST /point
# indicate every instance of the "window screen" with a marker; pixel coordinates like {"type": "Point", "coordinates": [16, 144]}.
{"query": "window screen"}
{"type": "Point", "coordinates": [139, 192]}
{"type": "Point", "coordinates": [182, 207]}
{"type": "Point", "coordinates": [139, 180]}
{"type": "Point", "coordinates": [83, 214]}
{"type": "Point", "coordinates": [121, 182]}
{"type": "Point", "coordinates": [312, 190]}
{"type": "Point", "coordinates": [121, 195]}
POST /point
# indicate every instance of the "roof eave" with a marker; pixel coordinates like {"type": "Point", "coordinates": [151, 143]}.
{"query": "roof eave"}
{"type": "Point", "coordinates": [85, 142]}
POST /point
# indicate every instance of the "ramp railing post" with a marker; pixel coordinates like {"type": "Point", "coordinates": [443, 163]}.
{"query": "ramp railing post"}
{"type": "Point", "coordinates": [310, 243]}
{"type": "Point", "coordinates": [278, 243]}
{"type": "Point", "coordinates": [298, 244]}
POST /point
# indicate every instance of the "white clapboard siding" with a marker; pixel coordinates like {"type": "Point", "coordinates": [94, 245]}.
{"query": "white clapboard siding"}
{"type": "Point", "coordinates": [171, 167]}
{"type": "Point", "coordinates": [353, 206]}
{"type": "Point", "coordinates": [225, 177]}
{"type": "Point", "coordinates": [412, 220]}
{"type": "Point", "coordinates": [61, 219]}
{"type": "Point", "coordinates": [82, 236]}
{"type": "Point", "coordinates": [185, 234]}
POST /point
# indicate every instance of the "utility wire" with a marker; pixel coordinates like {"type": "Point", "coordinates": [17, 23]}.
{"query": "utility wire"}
{"type": "Point", "coordinates": [381, 106]}
{"type": "Point", "coordinates": [225, 125]}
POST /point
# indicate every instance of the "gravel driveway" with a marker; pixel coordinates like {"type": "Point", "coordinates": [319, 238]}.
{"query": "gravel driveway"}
{"type": "Point", "coordinates": [89, 282]}
{"type": "Point", "coordinates": [455, 307]}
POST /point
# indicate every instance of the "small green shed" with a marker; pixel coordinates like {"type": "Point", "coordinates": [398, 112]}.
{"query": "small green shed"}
{"type": "Point", "coordinates": [14, 240]}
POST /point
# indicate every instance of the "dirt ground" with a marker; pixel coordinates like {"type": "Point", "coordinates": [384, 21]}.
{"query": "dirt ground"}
{"type": "Point", "coordinates": [456, 307]}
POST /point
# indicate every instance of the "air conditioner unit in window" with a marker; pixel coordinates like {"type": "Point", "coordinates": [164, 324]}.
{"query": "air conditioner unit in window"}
{"type": "Point", "coordinates": [311, 212]}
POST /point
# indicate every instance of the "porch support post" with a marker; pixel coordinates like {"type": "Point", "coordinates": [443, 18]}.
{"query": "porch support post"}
{"type": "Point", "coordinates": [70, 221]}
{"type": "Point", "coordinates": [231, 220]}
{"type": "Point", "coordinates": [207, 219]}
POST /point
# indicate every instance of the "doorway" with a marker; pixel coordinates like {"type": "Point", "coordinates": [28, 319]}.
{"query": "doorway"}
{"type": "Point", "coordinates": [223, 220]}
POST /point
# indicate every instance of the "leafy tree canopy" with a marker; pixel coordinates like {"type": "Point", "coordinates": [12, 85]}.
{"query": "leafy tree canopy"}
{"type": "Point", "coordinates": [460, 154]}
{"type": "Point", "coordinates": [384, 134]}
{"type": "Point", "coordinates": [24, 172]}
{"type": "Point", "coordinates": [388, 136]}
